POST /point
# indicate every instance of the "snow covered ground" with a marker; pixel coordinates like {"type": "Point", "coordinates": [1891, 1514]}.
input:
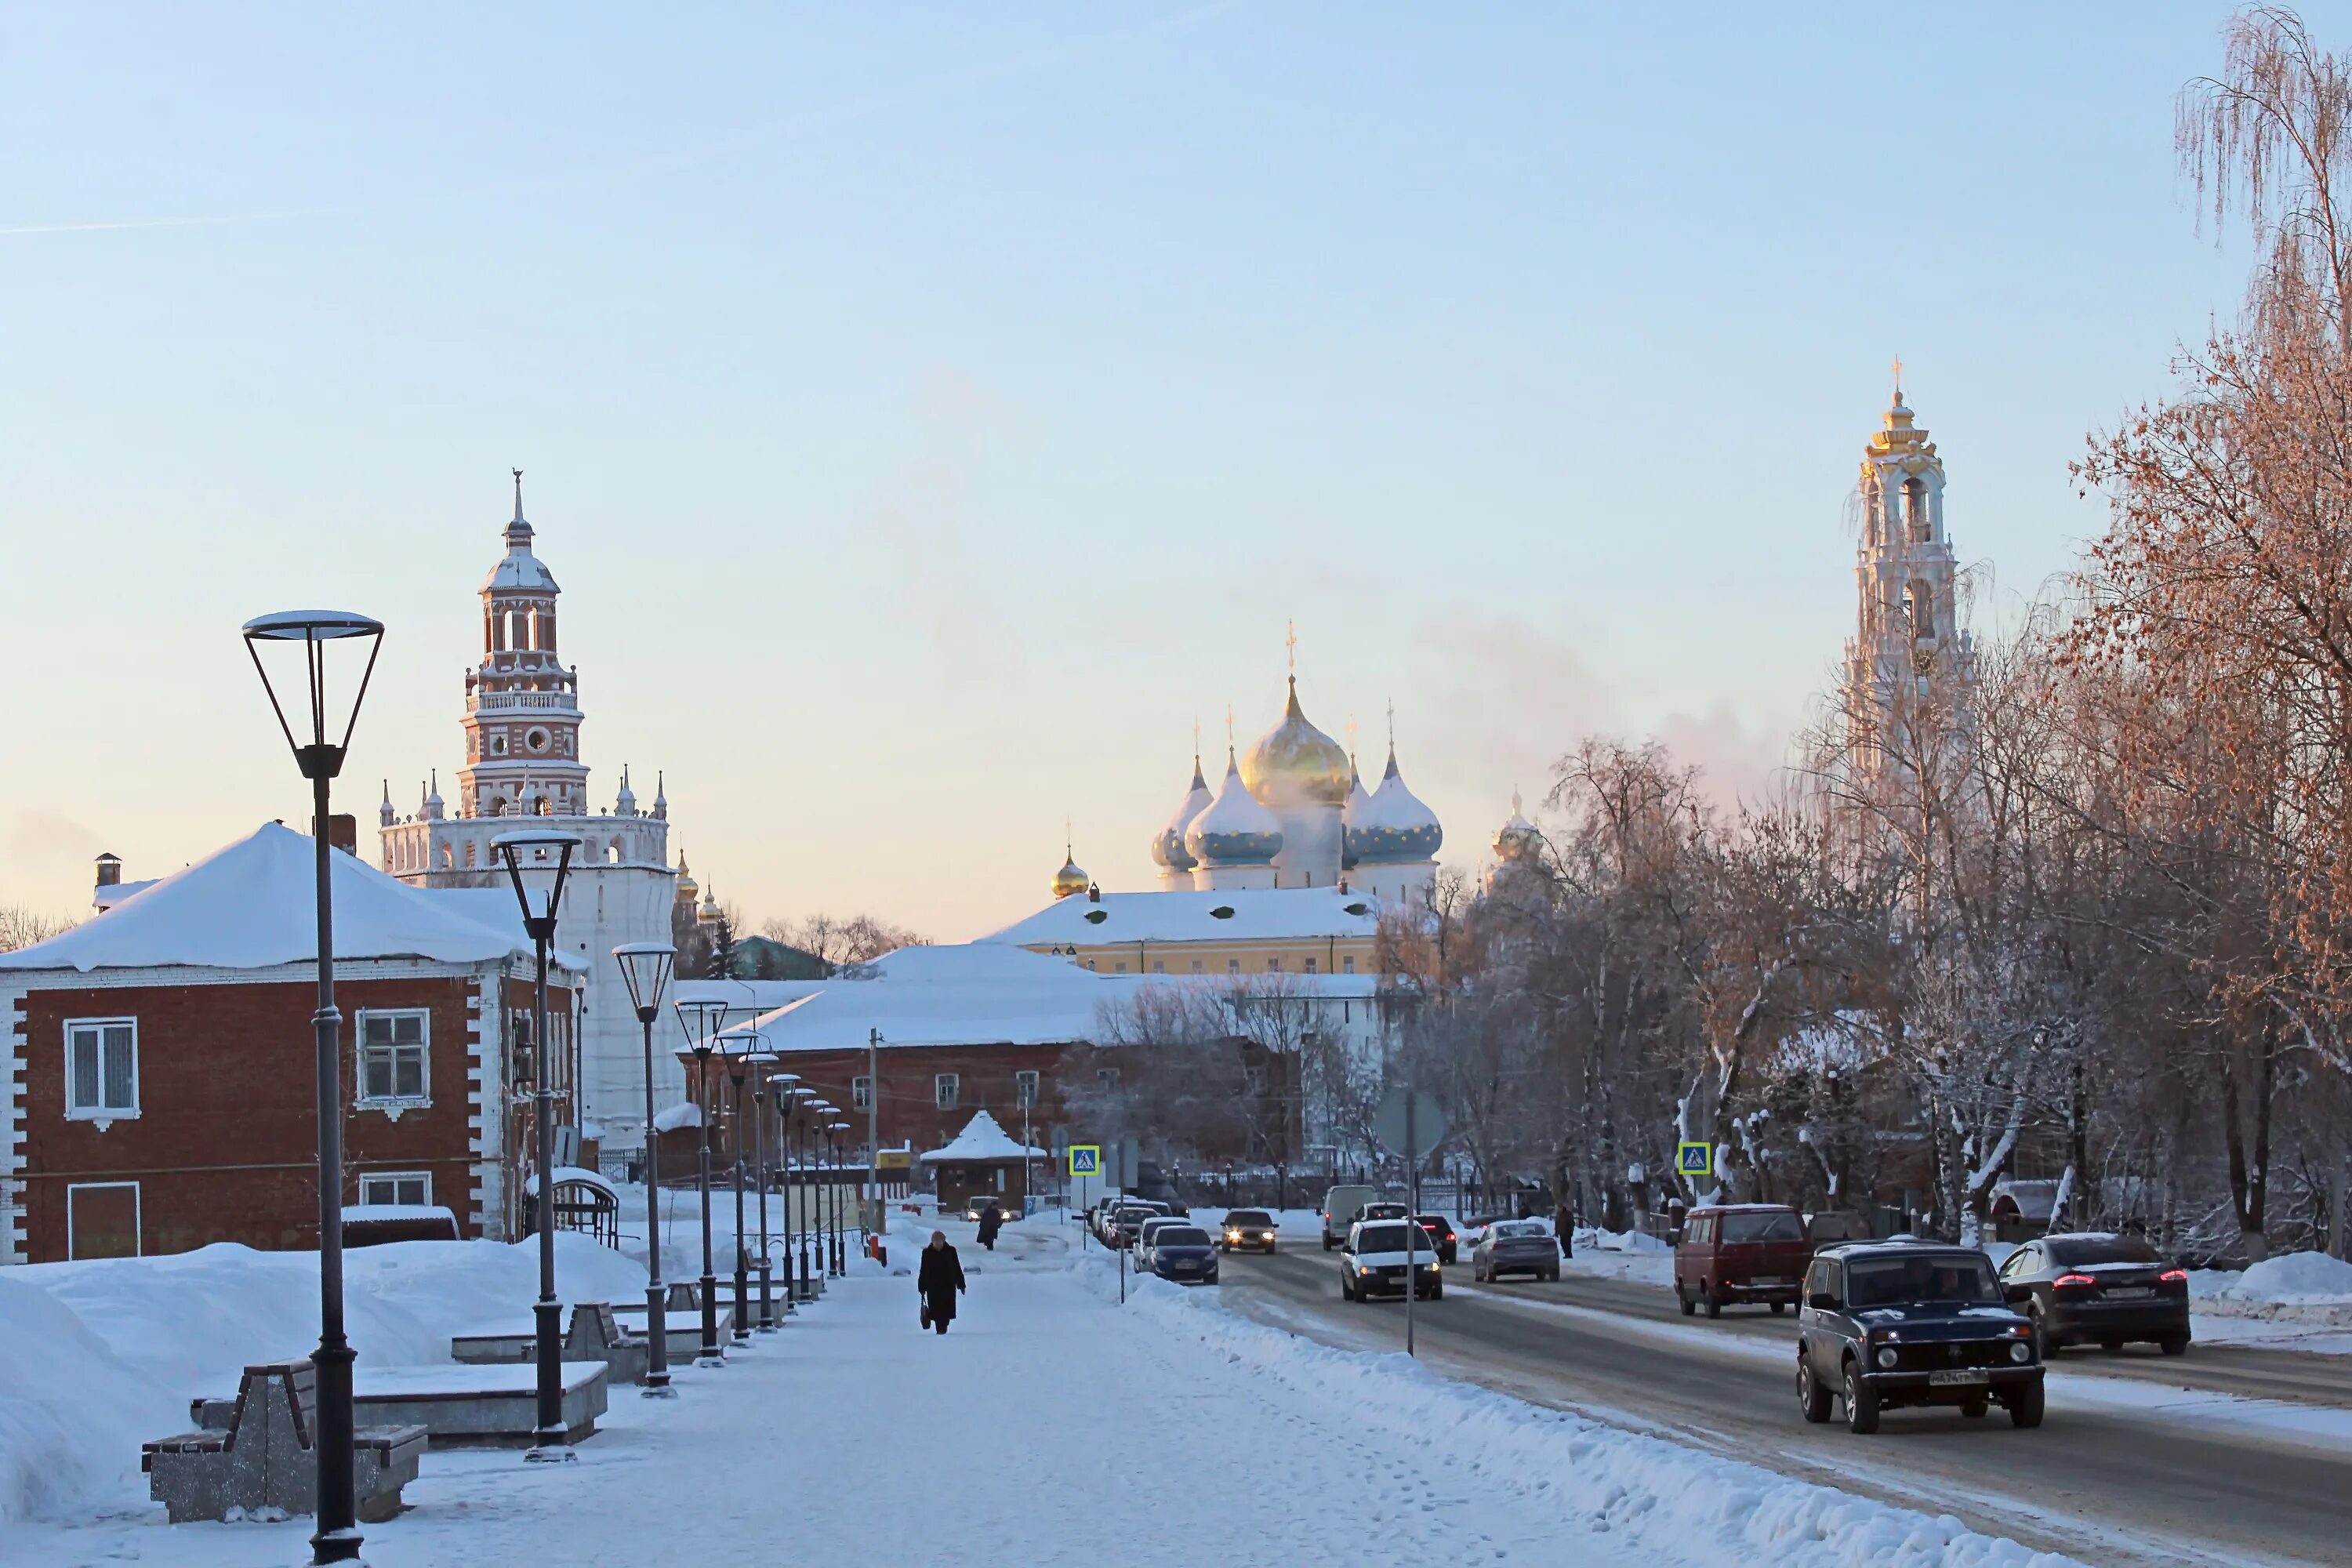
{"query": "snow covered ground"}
{"type": "Point", "coordinates": [1026, 1434]}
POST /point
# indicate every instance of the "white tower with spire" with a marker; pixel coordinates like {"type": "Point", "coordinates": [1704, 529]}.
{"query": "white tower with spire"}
{"type": "Point", "coordinates": [521, 724]}
{"type": "Point", "coordinates": [1909, 660]}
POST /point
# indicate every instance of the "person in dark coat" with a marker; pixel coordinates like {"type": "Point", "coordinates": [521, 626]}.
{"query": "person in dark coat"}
{"type": "Point", "coordinates": [992, 1220]}
{"type": "Point", "coordinates": [939, 1281]}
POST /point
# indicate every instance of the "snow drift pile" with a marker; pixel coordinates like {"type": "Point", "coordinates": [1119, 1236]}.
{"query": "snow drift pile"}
{"type": "Point", "coordinates": [103, 1355]}
{"type": "Point", "coordinates": [2308, 1286]}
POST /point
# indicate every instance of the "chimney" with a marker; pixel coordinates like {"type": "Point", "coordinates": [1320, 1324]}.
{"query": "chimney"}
{"type": "Point", "coordinates": [110, 871]}
{"type": "Point", "coordinates": [342, 832]}
{"type": "Point", "coordinates": [1093, 892]}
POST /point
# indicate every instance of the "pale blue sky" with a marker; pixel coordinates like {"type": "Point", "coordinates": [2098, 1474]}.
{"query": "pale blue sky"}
{"type": "Point", "coordinates": [929, 410]}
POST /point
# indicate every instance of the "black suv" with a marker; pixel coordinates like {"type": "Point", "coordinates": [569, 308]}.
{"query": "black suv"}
{"type": "Point", "coordinates": [1888, 1323]}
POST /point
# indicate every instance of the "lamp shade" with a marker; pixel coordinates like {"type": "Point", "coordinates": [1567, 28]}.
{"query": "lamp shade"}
{"type": "Point", "coordinates": [646, 970]}
{"type": "Point", "coordinates": [537, 862]}
{"type": "Point", "coordinates": [318, 746]}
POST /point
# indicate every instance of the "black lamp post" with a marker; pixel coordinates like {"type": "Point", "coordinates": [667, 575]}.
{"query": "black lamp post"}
{"type": "Point", "coordinates": [780, 1086]}
{"type": "Point", "coordinates": [546, 858]}
{"type": "Point", "coordinates": [840, 1215]}
{"type": "Point", "coordinates": [708, 1017]}
{"type": "Point", "coordinates": [805, 1097]}
{"type": "Point", "coordinates": [337, 1537]}
{"type": "Point", "coordinates": [821, 1135]}
{"type": "Point", "coordinates": [645, 967]}
{"type": "Point", "coordinates": [739, 1064]}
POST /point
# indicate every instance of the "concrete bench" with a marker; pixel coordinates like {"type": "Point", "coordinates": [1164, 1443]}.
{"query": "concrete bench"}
{"type": "Point", "coordinates": [462, 1407]}
{"type": "Point", "coordinates": [595, 1334]}
{"type": "Point", "coordinates": [261, 1453]}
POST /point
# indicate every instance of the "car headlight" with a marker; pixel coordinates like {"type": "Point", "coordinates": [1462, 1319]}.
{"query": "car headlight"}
{"type": "Point", "coordinates": [2020, 1351]}
{"type": "Point", "coordinates": [1886, 1355]}
{"type": "Point", "coordinates": [1361, 1269]}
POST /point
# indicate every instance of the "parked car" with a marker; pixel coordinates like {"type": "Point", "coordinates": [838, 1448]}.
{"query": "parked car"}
{"type": "Point", "coordinates": [1374, 1258]}
{"type": "Point", "coordinates": [1144, 1234]}
{"type": "Point", "coordinates": [1740, 1252]}
{"type": "Point", "coordinates": [1127, 1226]}
{"type": "Point", "coordinates": [2109, 1290]}
{"type": "Point", "coordinates": [1440, 1231]}
{"type": "Point", "coordinates": [1183, 1252]}
{"type": "Point", "coordinates": [1340, 1207]}
{"type": "Point", "coordinates": [1381, 1211]}
{"type": "Point", "coordinates": [977, 1207]}
{"type": "Point", "coordinates": [1516, 1246]}
{"type": "Point", "coordinates": [1247, 1230]}
{"type": "Point", "coordinates": [1827, 1227]}
{"type": "Point", "coordinates": [1885, 1324]}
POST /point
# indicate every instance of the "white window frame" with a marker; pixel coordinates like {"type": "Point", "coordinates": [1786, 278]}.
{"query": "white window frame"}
{"type": "Point", "coordinates": [369, 1178]}
{"type": "Point", "coordinates": [1026, 1083]}
{"type": "Point", "coordinates": [861, 1092]}
{"type": "Point", "coordinates": [393, 1105]}
{"type": "Point", "coordinates": [101, 1113]}
{"type": "Point", "coordinates": [947, 1090]}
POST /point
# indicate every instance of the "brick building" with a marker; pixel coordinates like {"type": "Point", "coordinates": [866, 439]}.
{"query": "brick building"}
{"type": "Point", "coordinates": [161, 1093]}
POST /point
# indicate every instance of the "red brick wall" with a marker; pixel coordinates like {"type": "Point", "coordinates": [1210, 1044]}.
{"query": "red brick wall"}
{"type": "Point", "coordinates": [910, 1111]}
{"type": "Point", "coordinates": [224, 1144]}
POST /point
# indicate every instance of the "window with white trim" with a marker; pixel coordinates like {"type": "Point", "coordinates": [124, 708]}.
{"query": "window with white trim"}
{"type": "Point", "coordinates": [945, 1088]}
{"type": "Point", "coordinates": [861, 1093]}
{"type": "Point", "coordinates": [102, 1068]}
{"type": "Point", "coordinates": [393, 1048]}
{"type": "Point", "coordinates": [1348, 965]}
{"type": "Point", "coordinates": [1024, 1089]}
{"type": "Point", "coordinates": [408, 1189]}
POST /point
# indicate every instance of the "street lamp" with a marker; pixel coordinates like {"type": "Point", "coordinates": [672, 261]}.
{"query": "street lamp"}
{"type": "Point", "coordinates": [738, 1063]}
{"type": "Point", "coordinates": [781, 1085]}
{"type": "Point", "coordinates": [840, 1230]}
{"type": "Point", "coordinates": [805, 1097]}
{"type": "Point", "coordinates": [820, 1132]}
{"type": "Point", "coordinates": [337, 1537]}
{"type": "Point", "coordinates": [708, 1018]}
{"type": "Point", "coordinates": [547, 856]}
{"type": "Point", "coordinates": [645, 968]}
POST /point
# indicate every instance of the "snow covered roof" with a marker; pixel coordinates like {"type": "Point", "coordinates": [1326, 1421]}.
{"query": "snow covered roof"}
{"type": "Point", "coordinates": [982, 1142]}
{"type": "Point", "coordinates": [669, 1119]}
{"type": "Point", "coordinates": [979, 994]}
{"type": "Point", "coordinates": [253, 905]}
{"type": "Point", "coordinates": [1257, 914]}
{"type": "Point", "coordinates": [573, 1175]}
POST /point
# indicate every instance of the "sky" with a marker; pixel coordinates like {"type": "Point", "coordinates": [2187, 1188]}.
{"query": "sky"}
{"type": "Point", "coordinates": [932, 412]}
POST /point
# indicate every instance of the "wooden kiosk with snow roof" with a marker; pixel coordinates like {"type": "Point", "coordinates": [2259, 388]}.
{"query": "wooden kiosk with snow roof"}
{"type": "Point", "coordinates": [983, 1159]}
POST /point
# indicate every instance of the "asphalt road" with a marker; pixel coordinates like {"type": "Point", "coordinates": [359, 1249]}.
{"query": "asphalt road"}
{"type": "Point", "coordinates": [2107, 1485]}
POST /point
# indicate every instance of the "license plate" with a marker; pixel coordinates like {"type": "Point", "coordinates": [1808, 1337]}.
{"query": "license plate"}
{"type": "Point", "coordinates": [2128, 1292]}
{"type": "Point", "coordinates": [1960, 1377]}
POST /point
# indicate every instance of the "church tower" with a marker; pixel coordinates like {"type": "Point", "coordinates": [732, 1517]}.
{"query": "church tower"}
{"type": "Point", "coordinates": [1908, 661]}
{"type": "Point", "coordinates": [522, 707]}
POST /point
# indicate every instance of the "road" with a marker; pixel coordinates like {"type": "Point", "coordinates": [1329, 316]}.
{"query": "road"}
{"type": "Point", "coordinates": [2101, 1480]}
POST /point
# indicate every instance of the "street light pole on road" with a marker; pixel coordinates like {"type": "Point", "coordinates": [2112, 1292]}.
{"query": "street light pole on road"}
{"type": "Point", "coordinates": [645, 968]}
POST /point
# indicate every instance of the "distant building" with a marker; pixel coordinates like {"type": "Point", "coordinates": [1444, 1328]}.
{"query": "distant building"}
{"type": "Point", "coordinates": [159, 1090]}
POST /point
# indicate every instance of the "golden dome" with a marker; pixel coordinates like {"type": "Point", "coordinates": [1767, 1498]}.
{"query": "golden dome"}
{"type": "Point", "coordinates": [1295, 764]}
{"type": "Point", "coordinates": [1069, 880]}
{"type": "Point", "coordinates": [687, 886]}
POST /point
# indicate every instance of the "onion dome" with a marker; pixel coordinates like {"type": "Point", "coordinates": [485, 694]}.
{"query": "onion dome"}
{"type": "Point", "coordinates": [1234, 829]}
{"type": "Point", "coordinates": [687, 886]}
{"type": "Point", "coordinates": [1517, 839]}
{"type": "Point", "coordinates": [1352, 814]}
{"type": "Point", "coordinates": [1394, 825]}
{"type": "Point", "coordinates": [708, 913]}
{"type": "Point", "coordinates": [1069, 880]}
{"type": "Point", "coordinates": [518, 568]}
{"type": "Point", "coordinates": [1295, 764]}
{"type": "Point", "coordinates": [1168, 844]}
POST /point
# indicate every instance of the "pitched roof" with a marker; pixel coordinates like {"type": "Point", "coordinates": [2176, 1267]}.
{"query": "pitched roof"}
{"type": "Point", "coordinates": [1294, 914]}
{"type": "Point", "coordinates": [979, 994]}
{"type": "Point", "coordinates": [253, 905]}
{"type": "Point", "coordinates": [981, 1142]}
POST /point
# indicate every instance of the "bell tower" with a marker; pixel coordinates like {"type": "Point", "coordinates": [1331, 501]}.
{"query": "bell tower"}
{"type": "Point", "coordinates": [522, 706]}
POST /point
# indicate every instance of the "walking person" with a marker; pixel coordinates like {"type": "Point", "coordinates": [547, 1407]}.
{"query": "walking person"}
{"type": "Point", "coordinates": [992, 1220]}
{"type": "Point", "coordinates": [938, 1282]}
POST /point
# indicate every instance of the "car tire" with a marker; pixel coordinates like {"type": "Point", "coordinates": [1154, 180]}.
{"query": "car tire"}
{"type": "Point", "coordinates": [1813, 1400]}
{"type": "Point", "coordinates": [1713, 1302]}
{"type": "Point", "coordinates": [1552, 1275]}
{"type": "Point", "coordinates": [2112, 1346]}
{"type": "Point", "coordinates": [1778, 1306]}
{"type": "Point", "coordinates": [1437, 1292]}
{"type": "Point", "coordinates": [1975, 1409]}
{"type": "Point", "coordinates": [2025, 1405]}
{"type": "Point", "coordinates": [1861, 1402]}
{"type": "Point", "coordinates": [1327, 1244]}
{"type": "Point", "coordinates": [1347, 1289]}
{"type": "Point", "coordinates": [2173, 1344]}
{"type": "Point", "coordinates": [2045, 1342]}
{"type": "Point", "coordinates": [1689, 1305]}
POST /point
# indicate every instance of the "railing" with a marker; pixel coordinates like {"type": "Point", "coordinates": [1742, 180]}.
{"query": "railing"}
{"type": "Point", "coordinates": [521, 700]}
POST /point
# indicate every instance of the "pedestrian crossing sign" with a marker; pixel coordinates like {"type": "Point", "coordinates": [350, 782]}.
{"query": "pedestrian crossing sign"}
{"type": "Point", "coordinates": [1695, 1159]}
{"type": "Point", "coordinates": [1086, 1159]}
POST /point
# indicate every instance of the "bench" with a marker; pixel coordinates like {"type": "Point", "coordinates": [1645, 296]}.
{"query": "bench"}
{"type": "Point", "coordinates": [260, 1455]}
{"type": "Point", "coordinates": [595, 1334]}
{"type": "Point", "coordinates": [461, 1406]}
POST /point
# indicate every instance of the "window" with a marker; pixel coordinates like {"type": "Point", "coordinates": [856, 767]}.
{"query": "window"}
{"type": "Point", "coordinates": [1232, 966]}
{"type": "Point", "coordinates": [1120, 967]}
{"type": "Point", "coordinates": [391, 1058]}
{"type": "Point", "coordinates": [1198, 967]}
{"type": "Point", "coordinates": [861, 1093]}
{"type": "Point", "coordinates": [102, 1068]}
{"type": "Point", "coordinates": [1273, 966]}
{"type": "Point", "coordinates": [944, 1089]}
{"type": "Point", "coordinates": [1024, 1089]}
{"type": "Point", "coordinates": [1107, 1076]}
{"type": "Point", "coordinates": [408, 1189]}
{"type": "Point", "coordinates": [1159, 966]}
{"type": "Point", "coordinates": [1311, 966]}
{"type": "Point", "coordinates": [1348, 965]}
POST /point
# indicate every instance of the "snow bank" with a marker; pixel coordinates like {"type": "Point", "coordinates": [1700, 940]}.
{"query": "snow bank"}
{"type": "Point", "coordinates": [2308, 1287]}
{"type": "Point", "coordinates": [1675, 1505]}
{"type": "Point", "coordinates": [103, 1355]}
